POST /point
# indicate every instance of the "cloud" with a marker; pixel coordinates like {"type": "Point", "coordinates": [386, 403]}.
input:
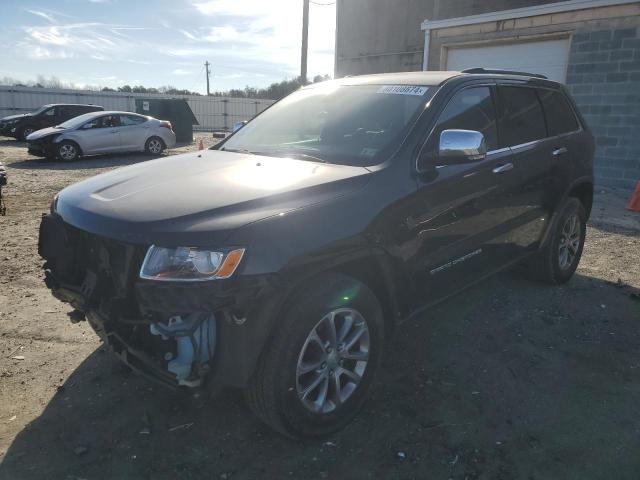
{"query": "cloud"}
{"type": "Point", "coordinates": [259, 31]}
{"type": "Point", "coordinates": [41, 14]}
{"type": "Point", "coordinates": [84, 40]}
{"type": "Point", "coordinates": [181, 71]}
{"type": "Point", "coordinates": [40, 53]}
{"type": "Point", "coordinates": [187, 34]}
{"type": "Point", "coordinates": [222, 34]}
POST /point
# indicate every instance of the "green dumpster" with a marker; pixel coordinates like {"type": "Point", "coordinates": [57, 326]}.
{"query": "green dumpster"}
{"type": "Point", "coordinates": [175, 110]}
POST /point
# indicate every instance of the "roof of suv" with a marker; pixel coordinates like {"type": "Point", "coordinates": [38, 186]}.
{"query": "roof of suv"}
{"type": "Point", "coordinates": [72, 105]}
{"type": "Point", "coordinates": [428, 78]}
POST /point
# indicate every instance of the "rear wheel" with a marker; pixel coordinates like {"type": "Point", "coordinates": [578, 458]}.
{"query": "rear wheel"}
{"type": "Point", "coordinates": [67, 151]}
{"type": "Point", "coordinates": [154, 146]}
{"type": "Point", "coordinates": [321, 361]}
{"type": "Point", "coordinates": [556, 263]}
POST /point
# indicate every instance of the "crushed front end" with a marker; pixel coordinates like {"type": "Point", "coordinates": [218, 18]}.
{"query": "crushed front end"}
{"type": "Point", "coordinates": [178, 334]}
{"type": "Point", "coordinates": [42, 147]}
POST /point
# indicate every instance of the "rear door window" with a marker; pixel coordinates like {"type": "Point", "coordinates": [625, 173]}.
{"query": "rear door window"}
{"type": "Point", "coordinates": [469, 109]}
{"type": "Point", "coordinates": [128, 120]}
{"type": "Point", "coordinates": [521, 116]}
{"type": "Point", "coordinates": [559, 114]}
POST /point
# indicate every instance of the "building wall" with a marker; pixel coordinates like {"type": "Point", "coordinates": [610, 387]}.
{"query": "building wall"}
{"type": "Point", "coordinates": [374, 36]}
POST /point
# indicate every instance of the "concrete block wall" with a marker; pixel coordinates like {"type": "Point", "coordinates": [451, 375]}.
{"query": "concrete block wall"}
{"type": "Point", "coordinates": [604, 79]}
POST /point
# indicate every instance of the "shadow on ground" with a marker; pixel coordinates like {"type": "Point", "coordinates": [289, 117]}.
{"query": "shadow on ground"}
{"type": "Point", "coordinates": [509, 380]}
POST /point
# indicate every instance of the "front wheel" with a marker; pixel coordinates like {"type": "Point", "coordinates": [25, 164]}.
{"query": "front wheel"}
{"type": "Point", "coordinates": [321, 361]}
{"type": "Point", "coordinates": [67, 151]}
{"type": "Point", "coordinates": [557, 262]}
{"type": "Point", "coordinates": [154, 146]}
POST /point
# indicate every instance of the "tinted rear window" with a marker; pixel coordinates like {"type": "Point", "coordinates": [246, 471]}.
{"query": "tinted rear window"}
{"type": "Point", "coordinates": [560, 116]}
{"type": "Point", "coordinates": [521, 117]}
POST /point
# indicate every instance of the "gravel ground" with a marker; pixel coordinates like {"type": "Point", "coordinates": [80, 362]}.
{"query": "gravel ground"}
{"type": "Point", "coordinates": [510, 380]}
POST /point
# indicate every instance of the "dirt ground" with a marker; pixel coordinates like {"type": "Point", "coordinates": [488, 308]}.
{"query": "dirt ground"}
{"type": "Point", "coordinates": [509, 380]}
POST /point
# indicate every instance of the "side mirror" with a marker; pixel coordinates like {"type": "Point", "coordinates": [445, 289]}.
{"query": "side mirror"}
{"type": "Point", "coordinates": [461, 146]}
{"type": "Point", "coordinates": [86, 126]}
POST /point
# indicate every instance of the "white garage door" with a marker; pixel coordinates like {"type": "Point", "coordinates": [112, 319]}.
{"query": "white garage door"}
{"type": "Point", "coordinates": [547, 57]}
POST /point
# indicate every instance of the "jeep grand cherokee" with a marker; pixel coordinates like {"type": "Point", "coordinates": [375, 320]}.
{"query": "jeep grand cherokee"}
{"type": "Point", "coordinates": [280, 260]}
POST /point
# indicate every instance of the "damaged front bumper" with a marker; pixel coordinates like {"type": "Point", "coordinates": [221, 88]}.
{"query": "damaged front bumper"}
{"type": "Point", "coordinates": [176, 334]}
{"type": "Point", "coordinates": [43, 147]}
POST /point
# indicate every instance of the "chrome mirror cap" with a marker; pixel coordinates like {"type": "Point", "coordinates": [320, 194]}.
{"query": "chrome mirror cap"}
{"type": "Point", "coordinates": [460, 146]}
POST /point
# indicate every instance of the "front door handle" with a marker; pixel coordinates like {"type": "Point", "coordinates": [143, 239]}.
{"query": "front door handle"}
{"type": "Point", "coordinates": [114, 131]}
{"type": "Point", "coordinates": [503, 168]}
{"type": "Point", "coordinates": [559, 151]}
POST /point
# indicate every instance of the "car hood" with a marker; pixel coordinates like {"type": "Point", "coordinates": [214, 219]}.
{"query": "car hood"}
{"type": "Point", "coordinates": [14, 117]}
{"type": "Point", "coordinates": [45, 132]}
{"type": "Point", "coordinates": [200, 198]}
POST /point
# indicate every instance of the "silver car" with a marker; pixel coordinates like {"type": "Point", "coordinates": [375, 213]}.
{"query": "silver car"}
{"type": "Point", "coordinates": [102, 132]}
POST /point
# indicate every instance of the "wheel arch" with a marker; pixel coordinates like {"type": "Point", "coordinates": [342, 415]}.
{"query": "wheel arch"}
{"type": "Point", "coordinates": [583, 191]}
{"type": "Point", "coordinates": [372, 267]}
{"type": "Point", "coordinates": [151, 137]}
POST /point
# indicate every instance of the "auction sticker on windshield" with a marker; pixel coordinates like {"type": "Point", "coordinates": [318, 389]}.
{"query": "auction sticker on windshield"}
{"type": "Point", "coordinates": [403, 89]}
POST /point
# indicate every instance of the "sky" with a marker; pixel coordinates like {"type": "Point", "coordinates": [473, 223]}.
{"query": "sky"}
{"type": "Point", "coordinates": [110, 43]}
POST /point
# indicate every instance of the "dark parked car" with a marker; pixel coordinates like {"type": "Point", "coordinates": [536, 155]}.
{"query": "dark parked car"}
{"type": "Point", "coordinates": [281, 260]}
{"type": "Point", "coordinates": [23, 125]}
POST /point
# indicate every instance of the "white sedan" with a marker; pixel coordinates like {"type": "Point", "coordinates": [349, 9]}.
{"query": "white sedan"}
{"type": "Point", "coordinates": [102, 132]}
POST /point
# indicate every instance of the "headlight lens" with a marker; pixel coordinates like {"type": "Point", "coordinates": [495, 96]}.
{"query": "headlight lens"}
{"type": "Point", "coordinates": [189, 264]}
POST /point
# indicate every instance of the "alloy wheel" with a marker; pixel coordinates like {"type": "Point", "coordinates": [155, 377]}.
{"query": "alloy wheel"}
{"type": "Point", "coordinates": [569, 241]}
{"type": "Point", "coordinates": [155, 146]}
{"type": "Point", "coordinates": [332, 361]}
{"type": "Point", "coordinates": [67, 152]}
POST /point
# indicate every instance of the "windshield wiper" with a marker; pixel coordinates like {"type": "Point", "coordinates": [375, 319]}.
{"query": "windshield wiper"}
{"type": "Point", "coordinates": [238, 150]}
{"type": "Point", "coordinates": [298, 155]}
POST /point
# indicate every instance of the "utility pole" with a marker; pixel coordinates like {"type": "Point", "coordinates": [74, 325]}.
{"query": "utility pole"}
{"type": "Point", "coordinates": [305, 41]}
{"type": "Point", "coordinates": [207, 73]}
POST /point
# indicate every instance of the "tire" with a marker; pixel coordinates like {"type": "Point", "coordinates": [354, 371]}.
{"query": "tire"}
{"type": "Point", "coordinates": [67, 151]}
{"type": "Point", "coordinates": [154, 146]}
{"type": "Point", "coordinates": [24, 132]}
{"type": "Point", "coordinates": [550, 265]}
{"type": "Point", "coordinates": [276, 390]}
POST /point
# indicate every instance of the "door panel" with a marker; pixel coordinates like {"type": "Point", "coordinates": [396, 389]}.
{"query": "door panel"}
{"type": "Point", "coordinates": [462, 216]}
{"type": "Point", "coordinates": [132, 132]}
{"type": "Point", "coordinates": [463, 227]}
{"type": "Point", "coordinates": [103, 137]}
{"type": "Point", "coordinates": [99, 140]}
{"type": "Point", "coordinates": [523, 129]}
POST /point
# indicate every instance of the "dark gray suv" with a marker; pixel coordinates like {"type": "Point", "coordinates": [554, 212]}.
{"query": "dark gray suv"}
{"type": "Point", "coordinates": [281, 260]}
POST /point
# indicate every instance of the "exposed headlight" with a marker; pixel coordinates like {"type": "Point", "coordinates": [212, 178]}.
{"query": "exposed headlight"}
{"type": "Point", "coordinates": [189, 264]}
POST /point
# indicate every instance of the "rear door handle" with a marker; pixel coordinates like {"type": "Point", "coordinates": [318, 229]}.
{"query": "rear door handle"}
{"type": "Point", "coordinates": [503, 168]}
{"type": "Point", "coordinates": [559, 151]}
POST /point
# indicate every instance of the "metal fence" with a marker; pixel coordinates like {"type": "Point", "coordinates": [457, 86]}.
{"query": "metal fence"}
{"type": "Point", "coordinates": [213, 113]}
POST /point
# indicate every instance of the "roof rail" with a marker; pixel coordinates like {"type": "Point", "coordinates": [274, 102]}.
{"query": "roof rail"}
{"type": "Point", "coordinates": [503, 72]}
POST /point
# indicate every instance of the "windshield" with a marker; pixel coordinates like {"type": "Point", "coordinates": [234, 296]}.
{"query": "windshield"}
{"type": "Point", "coordinates": [349, 125]}
{"type": "Point", "coordinates": [77, 121]}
